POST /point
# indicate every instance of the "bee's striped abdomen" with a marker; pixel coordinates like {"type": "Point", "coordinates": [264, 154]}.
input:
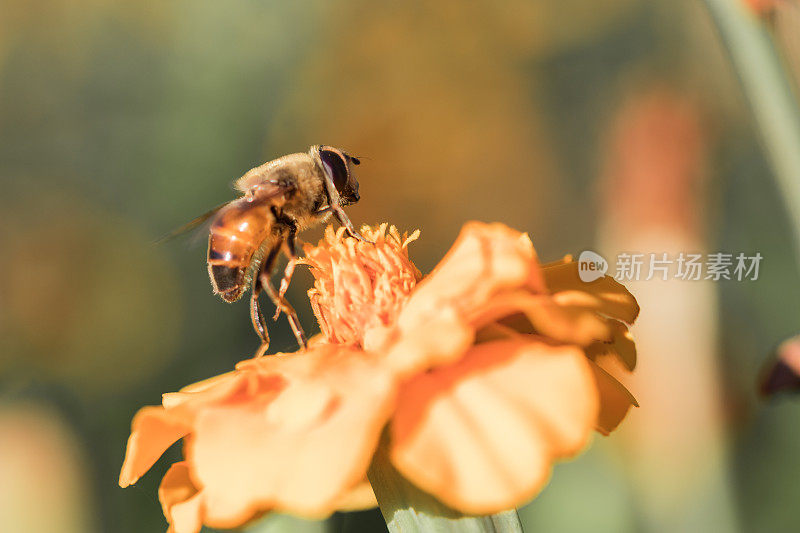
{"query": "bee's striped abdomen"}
{"type": "Point", "coordinates": [236, 234]}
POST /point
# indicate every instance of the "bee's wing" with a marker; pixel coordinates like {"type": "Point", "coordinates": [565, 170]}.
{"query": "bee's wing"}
{"type": "Point", "coordinates": [191, 225]}
{"type": "Point", "coordinates": [268, 191]}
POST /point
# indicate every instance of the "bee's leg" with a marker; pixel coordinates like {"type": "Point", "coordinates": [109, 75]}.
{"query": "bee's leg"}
{"type": "Point", "coordinates": [290, 247]}
{"type": "Point", "coordinates": [259, 324]}
{"type": "Point", "coordinates": [341, 216]}
{"type": "Point", "coordinates": [284, 306]}
{"type": "Point", "coordinates": [336, 209]}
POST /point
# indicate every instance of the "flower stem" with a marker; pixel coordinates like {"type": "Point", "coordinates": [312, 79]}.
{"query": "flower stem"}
{"type": "Point", "coordinates": [407, 509]}
{"type": "Point", "coordinates": [769, 93]}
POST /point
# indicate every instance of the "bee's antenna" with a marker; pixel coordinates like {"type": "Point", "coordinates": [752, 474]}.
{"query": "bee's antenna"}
{"type": "Point", "coordinates": [357, 159]}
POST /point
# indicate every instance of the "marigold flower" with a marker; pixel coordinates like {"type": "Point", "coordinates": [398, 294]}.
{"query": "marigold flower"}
{"type": "Point", "coordinates": [483, 373]}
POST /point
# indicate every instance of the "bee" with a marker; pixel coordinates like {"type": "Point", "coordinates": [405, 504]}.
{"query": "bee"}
{"type": "Point", "coordinates": [280, 199]}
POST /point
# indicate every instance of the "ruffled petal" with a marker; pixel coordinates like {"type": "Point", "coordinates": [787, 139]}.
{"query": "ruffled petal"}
{"type": "Point", "coordinates": [358, 498]}
{"type": "Point", "coordinates": [439, 337]}
{"type": "Point", "coordinates": [610, 297]}
{"type": "Point", "coordinates": [481, 434]}
{"type": "Point", "coordinates": [181, 501]}
{"type": "Point", "coordinates": [186, 516]}
{"type": "Point", "coordinates": [538, 313]}
{"type": "Point", "coordinates": [433, 327]}
{"type": "Point", "coordinates": [156, 428]}
{"type": "Point", "coordinates": [484, 259]}
{"type": "Point", "coordinates": [298, 449]}
{"type": "Point", "coordinates": [153, 430]}
{"type": "Point", "coordinates": [228, 387]}
{"type": "Point", "coordinates": [615, 400]}
{"type": "Point", "coordinates": [622, 346]}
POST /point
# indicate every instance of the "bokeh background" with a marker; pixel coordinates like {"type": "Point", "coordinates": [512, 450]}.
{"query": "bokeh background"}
{"type": "Point", "coordinates": [611, 125]}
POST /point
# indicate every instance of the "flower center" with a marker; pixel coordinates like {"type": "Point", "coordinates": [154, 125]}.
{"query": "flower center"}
{"type": "Point", "coordinates": [360, 286]}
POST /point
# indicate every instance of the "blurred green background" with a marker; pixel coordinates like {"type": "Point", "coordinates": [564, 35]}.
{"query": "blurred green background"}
{"type": "Point", "coordinates": [590, 124]}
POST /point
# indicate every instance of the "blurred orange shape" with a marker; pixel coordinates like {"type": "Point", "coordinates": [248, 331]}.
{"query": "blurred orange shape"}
{"type": "Point", "coordinates": [762, 7]}
{"type": "Point", "coordinates": [783, 373]}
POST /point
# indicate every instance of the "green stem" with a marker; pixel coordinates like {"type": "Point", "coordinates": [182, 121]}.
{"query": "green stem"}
{"type": "Point", "coordinates": [769, 93]}
{"type": "Point", "coordinates": [407, 509]}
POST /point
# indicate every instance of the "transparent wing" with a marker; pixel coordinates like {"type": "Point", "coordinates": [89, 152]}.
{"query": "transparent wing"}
{"type": "Point", "coordinates": [265, 193]}
{"type": "Point", "coordinates": [192, 224]}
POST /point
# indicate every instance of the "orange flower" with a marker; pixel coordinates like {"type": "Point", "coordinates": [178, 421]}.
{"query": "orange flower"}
{"type": "Point", "coordinates": [485, 372]}
{"type": "Point", "coordinates": [782, 374]}
{"type": "Point", "coordinates": [762, 7]}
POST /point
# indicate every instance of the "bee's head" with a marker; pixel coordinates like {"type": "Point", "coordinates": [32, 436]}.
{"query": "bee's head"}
{"type": "Point", "coordinates": [339, 167]}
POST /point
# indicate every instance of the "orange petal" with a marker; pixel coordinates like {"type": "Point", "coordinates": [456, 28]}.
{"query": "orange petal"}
{"type": "Point", "coordinates": [181, 500]}
{"type": "Point", "coordinates": [156, 428]}
{"type": "Point", "coordinates": [566, 259]}
{"type": "Point", "coordinates": [296, 450]}
{"type": "Point", "coordinates": [358, 498]}
{"type": "Point", "coordinates": [621, 346]}
{"type": "Point", "coordinates": [434, 338]}
{"type": "Point", "coordinates": [209, 383]}
{"type": "Point", "coordinates": [485, 259]}
{"type": "Point", "coordinates": [186, 402]}
{"type": "Point", "coordinates": [494, 331]}
{"type": "Point", "coordinates": [153, 430]}
{"type": "Point", "coordinates": [480, 435]}
{"type": "Point", "coordinates": [615, 400]}
{"type": "Point", "coordinates": [567, 324]}
{"type": "Point", "coordinates": [613, 299]}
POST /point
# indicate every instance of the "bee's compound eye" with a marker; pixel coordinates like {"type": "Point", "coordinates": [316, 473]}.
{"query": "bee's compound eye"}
{"type": "Point", "coordinates": [336, 166]}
